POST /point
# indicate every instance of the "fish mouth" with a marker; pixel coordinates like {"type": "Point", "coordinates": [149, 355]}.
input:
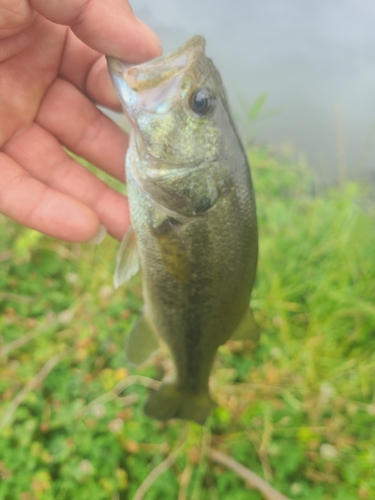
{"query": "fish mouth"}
{"type": "Point", "coordinates": [154, 87]}
{"type": "Point", "coordinates": [158, 71]}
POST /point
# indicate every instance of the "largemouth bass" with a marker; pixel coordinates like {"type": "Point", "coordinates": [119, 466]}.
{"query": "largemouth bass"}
{"type": "Point", "coordinates": [194, 227]}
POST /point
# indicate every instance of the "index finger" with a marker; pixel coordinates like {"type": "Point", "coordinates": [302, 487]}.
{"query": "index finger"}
{"type": "Point", "coordinates": [108, 27]}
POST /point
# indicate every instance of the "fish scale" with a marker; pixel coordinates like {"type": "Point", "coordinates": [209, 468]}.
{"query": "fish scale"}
{"type": "Point", "coordinates": [193, 222]}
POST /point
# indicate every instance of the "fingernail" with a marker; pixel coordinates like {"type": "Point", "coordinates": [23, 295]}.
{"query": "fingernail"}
{"type": "Point", "coordinates": [100, 235]}
{"type": "Point", "coordinates": [153, 36]}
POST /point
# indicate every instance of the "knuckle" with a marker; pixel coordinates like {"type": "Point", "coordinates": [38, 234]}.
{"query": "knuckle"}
{"type": "Point", "coordinates": [15, 16]}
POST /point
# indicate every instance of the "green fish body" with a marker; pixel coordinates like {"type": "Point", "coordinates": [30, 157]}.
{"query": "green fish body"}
{"type": "Point", "coordinates": [193, 215]}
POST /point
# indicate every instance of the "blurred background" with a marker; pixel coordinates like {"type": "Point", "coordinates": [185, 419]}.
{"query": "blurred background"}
{"type": "Point", "coordinates": [308, 67]}
{"type": "Point", "coordinates": [299, 410]}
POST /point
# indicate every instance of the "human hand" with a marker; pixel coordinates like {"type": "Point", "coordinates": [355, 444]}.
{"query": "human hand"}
{"type": "Point", "coordinates": [52, 71]}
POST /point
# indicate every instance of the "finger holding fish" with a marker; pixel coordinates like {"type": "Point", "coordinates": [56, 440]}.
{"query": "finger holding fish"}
{"type": "Point", "coordinates": [53, 72]}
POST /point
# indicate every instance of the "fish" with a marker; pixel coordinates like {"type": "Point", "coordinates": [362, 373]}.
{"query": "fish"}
{"type": "Point", "coordinates": [193, 229]}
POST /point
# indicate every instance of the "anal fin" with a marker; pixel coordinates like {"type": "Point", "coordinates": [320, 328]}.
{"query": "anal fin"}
{"type": "Point", "coordinates": [248, 328]}
{"type": "Point", "coordinates": [141, 341]}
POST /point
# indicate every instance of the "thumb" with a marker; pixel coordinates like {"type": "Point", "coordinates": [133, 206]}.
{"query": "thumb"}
{"type": "Point", "coordinates": [108, 27]}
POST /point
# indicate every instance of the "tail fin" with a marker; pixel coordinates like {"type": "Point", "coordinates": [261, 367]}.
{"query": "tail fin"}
{"type": "Point", "coordinates": [171, 402]}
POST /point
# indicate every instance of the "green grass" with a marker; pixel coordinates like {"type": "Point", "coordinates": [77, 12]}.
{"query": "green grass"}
{"type": "Point", "coordinates": [300, 411]}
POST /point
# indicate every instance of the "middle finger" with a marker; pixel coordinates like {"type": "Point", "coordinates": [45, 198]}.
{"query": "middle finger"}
{"type": "Point", "coordinates": [42, 156]}
{"type": "Point", "coordinates": [87, 70]}
{"type": "Point", "coordinates": [77, 124]}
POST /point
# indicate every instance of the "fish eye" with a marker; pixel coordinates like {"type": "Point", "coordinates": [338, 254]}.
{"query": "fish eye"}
{"type": "Point", "coordinates": [202, 101]}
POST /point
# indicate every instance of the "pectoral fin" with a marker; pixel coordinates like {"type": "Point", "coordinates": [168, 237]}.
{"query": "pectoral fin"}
{"type": "Point", "coordinates": [248, 328]}
{"type": "Point", "coordinates": [141, 342]}
{"type": "Point", "coordinates": [127, 262]}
